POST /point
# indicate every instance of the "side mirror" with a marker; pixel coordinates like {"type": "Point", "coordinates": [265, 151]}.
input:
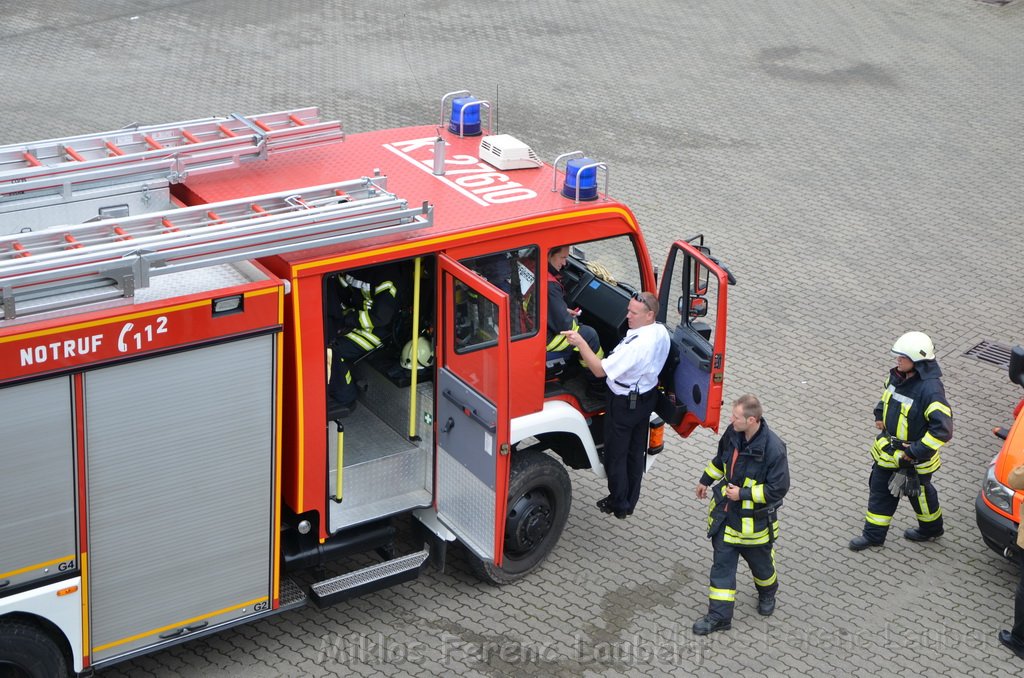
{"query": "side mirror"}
{"type": "Point", "coordinates": [696, 308]}
{"type": "Point", "coordinates": [1016, 368]}
{"type": "Point", "coordinates": [700, 279]}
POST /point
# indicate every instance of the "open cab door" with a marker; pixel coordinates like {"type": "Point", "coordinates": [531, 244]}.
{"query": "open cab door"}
{"type": "Point", "coordinates": [693, 296]}
{"type": "Point", "coordinates": [472, 409]}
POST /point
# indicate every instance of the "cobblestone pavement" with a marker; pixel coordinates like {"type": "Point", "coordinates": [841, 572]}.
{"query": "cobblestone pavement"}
{"type": "Point", "coordinates": [858, 164]}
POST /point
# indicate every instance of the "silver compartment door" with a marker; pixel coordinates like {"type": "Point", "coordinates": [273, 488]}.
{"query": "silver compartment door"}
{"type": "Point", "coordinates": [37, 490]}
{"type": "Point", "coordinates": [472, 409]}
{"type": "Point", "coordinates": [180, 492]}
{"type": "Point", "coordinates": [466, 468]}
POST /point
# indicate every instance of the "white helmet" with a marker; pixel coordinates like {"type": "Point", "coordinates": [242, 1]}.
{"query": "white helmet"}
{"type": "Point", "coordinates": [914, 345]}
{"type": "Point", "coordinates": [424, 353]}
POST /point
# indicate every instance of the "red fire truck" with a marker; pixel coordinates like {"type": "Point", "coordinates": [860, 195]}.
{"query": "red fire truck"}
{"type": "Point", "coordinates": [171, 463]}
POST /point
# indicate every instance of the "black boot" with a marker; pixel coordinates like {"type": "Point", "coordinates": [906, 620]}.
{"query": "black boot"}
{"type": "Point", "coordinates": [860, 542]}
{"type": "Point", "coordinates": [914, 534]}
{"type": "Point", "coordinates": [709, 624]}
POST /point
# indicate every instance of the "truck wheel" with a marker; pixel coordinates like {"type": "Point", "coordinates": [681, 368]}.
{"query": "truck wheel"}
{"type": "Point", "coordinates": [539, 496]}
{"type": "Point", "coordinates": [27, 652]}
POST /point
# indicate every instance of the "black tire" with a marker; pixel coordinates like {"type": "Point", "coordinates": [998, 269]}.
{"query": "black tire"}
{"type": "Point", "coordinates": [539, 497]}
{"type": "Point", "coordinates": [27, 652]}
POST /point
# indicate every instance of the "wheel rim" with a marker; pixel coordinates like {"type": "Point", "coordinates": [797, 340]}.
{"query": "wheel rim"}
{"type": "Point", "coordinates": [529, 522]}
{"type": "Point", "coordinates": [11, 670]}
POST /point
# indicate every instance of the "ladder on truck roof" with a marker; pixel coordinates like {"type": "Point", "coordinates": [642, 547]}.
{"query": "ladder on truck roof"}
{"type": "Point", "coordinates": [70, 266]}
{"type": "Point", "coordinates": [172, 151]}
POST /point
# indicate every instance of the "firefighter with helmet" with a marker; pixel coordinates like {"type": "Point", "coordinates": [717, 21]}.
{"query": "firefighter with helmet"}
{"type": "Point", "coordinates": [915, 421]}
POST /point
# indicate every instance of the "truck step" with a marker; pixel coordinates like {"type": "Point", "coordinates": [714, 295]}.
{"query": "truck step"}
{"type": "Point", "coordinates": [291, 595]}
{"type": "Point", "coordinates": [372, 578]}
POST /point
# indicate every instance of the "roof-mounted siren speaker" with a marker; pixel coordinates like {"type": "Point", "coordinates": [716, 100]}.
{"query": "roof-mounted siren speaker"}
{"type": "Point", "coordinates": [580, 176]}
{"type": "Point", "coordinates": [464, 118]}
{"type": "Point", "coordinates": [506, 152]}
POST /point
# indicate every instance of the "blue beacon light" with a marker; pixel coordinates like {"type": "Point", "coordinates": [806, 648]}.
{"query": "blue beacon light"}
{"type": "Point", "coordinates": [585, 180]}
{"type": "Point", "coordinates": [467, 111]}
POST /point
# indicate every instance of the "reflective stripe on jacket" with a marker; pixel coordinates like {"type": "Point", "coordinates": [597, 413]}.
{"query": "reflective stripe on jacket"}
{"type": "Point", "coordinates": [913, 409]}
{"type": "Point", "coordinates": [762, 473]}
{"type": "Point", "coordinates": [559, 318]}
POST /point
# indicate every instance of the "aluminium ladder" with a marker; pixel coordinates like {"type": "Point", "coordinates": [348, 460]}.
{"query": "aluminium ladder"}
{"type": "Point", "coordinates": [61, 167]}
{"type": "Point", "coordinates": [69, 266]}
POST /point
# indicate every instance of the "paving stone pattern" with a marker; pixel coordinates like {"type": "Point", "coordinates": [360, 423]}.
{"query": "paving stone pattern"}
{"type": "Point", "coordinates": [857, 164]}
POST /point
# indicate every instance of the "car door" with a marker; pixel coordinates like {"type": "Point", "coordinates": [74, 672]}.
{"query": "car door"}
{"type": "Point", "coordinates": [693, 293]}
{"type": "Point", "coordinates": [472, 409]}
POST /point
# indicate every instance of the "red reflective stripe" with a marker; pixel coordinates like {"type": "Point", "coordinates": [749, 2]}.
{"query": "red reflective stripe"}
{"type": "Point", "coordinates": [732, 468]}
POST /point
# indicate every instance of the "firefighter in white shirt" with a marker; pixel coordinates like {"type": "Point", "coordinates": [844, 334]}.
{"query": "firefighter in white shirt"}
{"type": "Point", "coordinates": [631, 372]}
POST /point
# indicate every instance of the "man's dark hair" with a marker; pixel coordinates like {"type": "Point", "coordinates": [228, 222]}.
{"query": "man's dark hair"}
{"type": "Point", "coordinates": [555, 250]}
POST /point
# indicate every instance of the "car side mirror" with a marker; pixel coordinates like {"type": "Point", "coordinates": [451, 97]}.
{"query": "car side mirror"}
{"type": "Point", "coordinates": [697, 307]}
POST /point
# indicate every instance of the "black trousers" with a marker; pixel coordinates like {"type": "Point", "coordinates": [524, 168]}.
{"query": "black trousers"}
{"type": "Point", "coordinates": [341, 387]}
{"type": "Point", "coordinates": [626, 433]}
{"type": "Point", "coordinates": [722, 590]}
{"type": "Point", "coordinates": [882, 505]}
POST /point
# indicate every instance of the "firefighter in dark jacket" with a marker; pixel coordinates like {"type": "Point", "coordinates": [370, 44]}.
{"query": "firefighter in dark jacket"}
{"type": "Point", "coordinates": [560, 317]}
{"type": "Point", "coordinates": [915, 421]}
{"type": "Point", "coordinates": [752, 472]}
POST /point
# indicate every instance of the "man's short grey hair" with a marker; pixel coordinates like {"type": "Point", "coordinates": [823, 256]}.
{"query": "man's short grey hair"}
{"type": "Point", "coordinates": [751, 406]}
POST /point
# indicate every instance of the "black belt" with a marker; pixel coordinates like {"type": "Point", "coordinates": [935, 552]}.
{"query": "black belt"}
{"type": "Point", "coordinates": [767, 510]}
{"type": "Point", "coordinates": [642, 395]}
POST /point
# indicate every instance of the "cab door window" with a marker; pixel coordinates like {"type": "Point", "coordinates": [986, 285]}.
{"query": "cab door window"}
{"type": "Point", "coordinates": [699, 313]}
{"type": "Point", "coordinates": [514, 272]}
